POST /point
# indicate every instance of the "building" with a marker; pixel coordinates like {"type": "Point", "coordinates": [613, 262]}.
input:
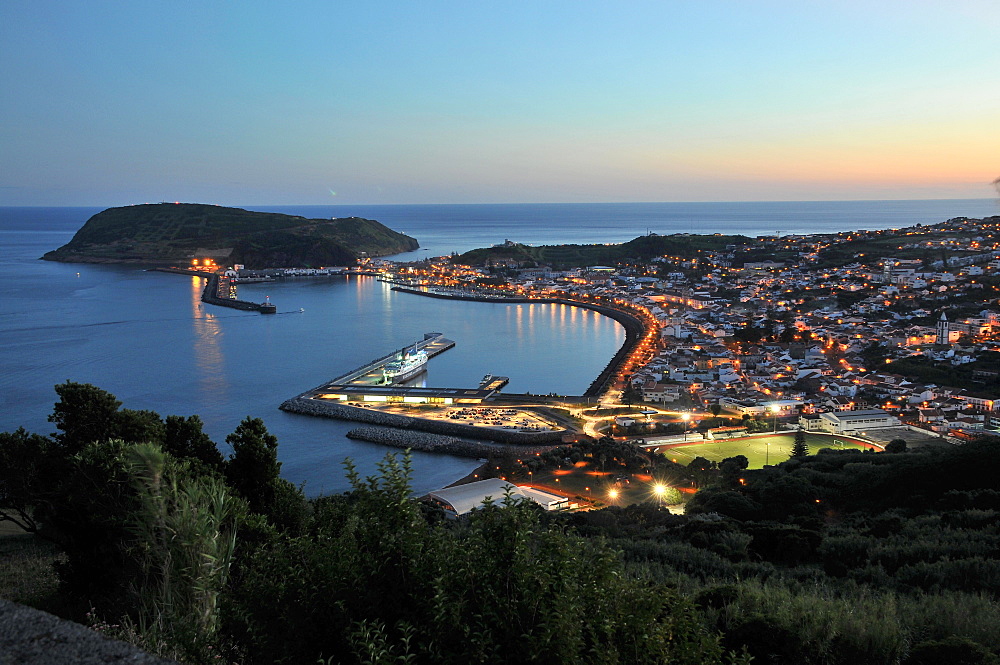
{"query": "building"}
{"type": "Point", "coordinates": [463, 499]}
{"type": "Point", "coordinates": [948, 333]}
{"type": "Point", "coordinates": [226, 286]}
{"type": "Point", "coordinates": [754, 407]}
{"type": "Point", "coordinates": [848, 422]}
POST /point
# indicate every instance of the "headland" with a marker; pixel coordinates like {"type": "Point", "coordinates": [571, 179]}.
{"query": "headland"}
{"type": "Point", "coordinates": [177, 233]}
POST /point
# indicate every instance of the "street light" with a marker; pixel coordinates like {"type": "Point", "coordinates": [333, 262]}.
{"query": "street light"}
{"type": "Point", "coordinates": [686, 417]}
{"type": "Point", "coordinates": [659, 490]}
{"type": "Point", "coordinates": [774, 411]}
{"type": "Point", "coordinates": [612, 494]}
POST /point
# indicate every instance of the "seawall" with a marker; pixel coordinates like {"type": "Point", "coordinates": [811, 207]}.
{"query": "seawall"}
{"type": "Point", "coordinates": [208, 295]}
{"type": "Point", "coordinates": [211, 286]}
{"type": "Point", "coordinates": [438, 443]}
{"type": "Point", "coordinates": [325, 409]}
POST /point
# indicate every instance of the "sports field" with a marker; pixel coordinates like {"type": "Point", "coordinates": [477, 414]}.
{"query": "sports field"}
{"type": "Point", "coordinates": [759, 450]}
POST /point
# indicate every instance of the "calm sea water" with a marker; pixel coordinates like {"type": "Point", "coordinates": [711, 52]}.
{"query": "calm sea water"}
{"type": "Point", "coordinates": [147, 338]}
{"type": "Point", "coordinates": [442, 229]}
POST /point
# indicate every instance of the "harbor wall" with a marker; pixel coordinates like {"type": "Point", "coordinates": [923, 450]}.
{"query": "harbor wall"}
{"type": "Point", "coordinates": [211, 285]}
{"type": "Point", "coordinates": [208, 295]}
{"type": "Point", "coordinates": [438, 443]}
{"type": "Point", "coordinates": [313, 407]}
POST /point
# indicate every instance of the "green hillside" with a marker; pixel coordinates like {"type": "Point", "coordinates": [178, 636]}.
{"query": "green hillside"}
{"type": "Point", "coordinates": [174, 233]}
{"type": "Point", "coordinates": [574, 256]}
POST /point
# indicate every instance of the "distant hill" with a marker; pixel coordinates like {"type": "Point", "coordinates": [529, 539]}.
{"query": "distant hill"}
{"type": "Point", "coordinates": [642, 248]}
{"type": "Point", "coordinates": [175, 233]}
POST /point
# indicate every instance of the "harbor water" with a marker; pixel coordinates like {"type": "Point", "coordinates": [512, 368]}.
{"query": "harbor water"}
{"type": "Point", "coordinates": [147, 338]}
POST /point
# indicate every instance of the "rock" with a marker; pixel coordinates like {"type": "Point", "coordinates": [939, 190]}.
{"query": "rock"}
{"type": "Point", "coordinates": [32, 637]}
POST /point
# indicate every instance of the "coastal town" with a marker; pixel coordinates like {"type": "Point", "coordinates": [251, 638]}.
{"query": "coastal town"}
{"type": "Point", "coordinates": [842, 333]}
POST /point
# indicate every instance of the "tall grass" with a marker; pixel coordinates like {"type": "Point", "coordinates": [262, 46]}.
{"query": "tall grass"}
{"type": "Point", "coordinates": [185, 535]}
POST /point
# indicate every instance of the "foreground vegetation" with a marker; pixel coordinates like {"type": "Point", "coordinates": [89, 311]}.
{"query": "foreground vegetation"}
{"type": "Point", "coordinates": [840, 557]}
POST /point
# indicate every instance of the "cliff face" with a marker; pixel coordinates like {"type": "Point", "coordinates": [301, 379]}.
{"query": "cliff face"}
{"type": "Point", "coordinates": [174, 233]}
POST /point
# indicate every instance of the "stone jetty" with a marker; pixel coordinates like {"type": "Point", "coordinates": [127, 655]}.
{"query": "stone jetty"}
{"type": "Point", "coordinates": [438, 443]}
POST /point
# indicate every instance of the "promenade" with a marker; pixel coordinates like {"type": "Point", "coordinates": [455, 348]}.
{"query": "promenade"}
{"type": "Point", "coordinates": [639, 330]}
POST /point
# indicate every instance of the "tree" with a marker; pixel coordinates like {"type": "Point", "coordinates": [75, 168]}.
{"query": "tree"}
{"type": "Point", "coordinates": [874, 354]}
{"type": "Point", "coordinates": [183, 437]}
{"type": "Point", "coordinates": [87, 512]}
{"type": "Point", "coordinates": [716, 409]}
{"type": "Point", "coordinates": [377, 584]}
{"type": "Point", "coordinates": [134, 426]}
{"type": "Point", "coordinates": [748, 334]}
{"type": "Point", "coordinates": [799, 448]}
{"type": "Point", "coordinates": [24, 461]}
{"type": "Point", "coordinates": [631, 394]}
{"type": "Point", "coordinates": [702, 470]}
{"type": "Point", "coordinates": [84, 413]}
{"type": "Point", "coordinates": [88, 414]}
{"type": "Point", "coordinates": [732, 468]}
{"type": "Point", "coordinates": [254, 467]}
{"type": "Point", "coordinates": [896, 446]}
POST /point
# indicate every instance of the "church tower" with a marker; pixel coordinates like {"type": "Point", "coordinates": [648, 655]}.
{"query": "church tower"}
{"type": "Point", "coordinates": [942, 329]}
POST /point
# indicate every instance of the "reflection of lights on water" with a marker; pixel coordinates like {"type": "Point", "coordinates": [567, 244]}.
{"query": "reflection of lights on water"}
{"type": "Point", "coordinates": [207, 332]}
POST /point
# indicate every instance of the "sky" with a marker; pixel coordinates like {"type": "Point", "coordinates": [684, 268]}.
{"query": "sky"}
{"type": "Point", "coordinates": [337, 102]}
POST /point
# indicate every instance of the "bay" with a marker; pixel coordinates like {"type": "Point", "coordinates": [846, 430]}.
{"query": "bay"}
{"type": "Point", "coordinates": [147, 338]}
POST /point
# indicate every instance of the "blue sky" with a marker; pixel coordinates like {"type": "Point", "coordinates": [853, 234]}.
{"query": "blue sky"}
{"type": "Point", "coordinates": [242, 103]}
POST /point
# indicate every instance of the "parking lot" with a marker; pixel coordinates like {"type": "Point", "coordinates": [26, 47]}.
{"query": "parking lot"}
{"type": "Point", "coordinates": [514, 419]}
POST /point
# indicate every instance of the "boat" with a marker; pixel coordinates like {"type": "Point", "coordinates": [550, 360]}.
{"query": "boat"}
{"type": "Point", "coordinates": [407, 363]}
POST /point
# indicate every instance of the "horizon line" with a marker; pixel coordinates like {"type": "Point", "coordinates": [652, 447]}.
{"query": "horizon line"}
{"type": "Point", "coordinates": [491, 203]}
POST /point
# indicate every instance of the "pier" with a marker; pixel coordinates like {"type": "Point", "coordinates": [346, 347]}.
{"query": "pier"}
{"type": "Point", "coordinates": [366, 383]}
{"type": "Point", "coordinates": [370, 374]}
{"type": "Point", "coordinates": [442, 414]}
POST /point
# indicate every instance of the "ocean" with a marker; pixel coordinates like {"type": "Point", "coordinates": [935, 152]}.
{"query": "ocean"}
{"type": "Point", "coordinates": [147, 338]}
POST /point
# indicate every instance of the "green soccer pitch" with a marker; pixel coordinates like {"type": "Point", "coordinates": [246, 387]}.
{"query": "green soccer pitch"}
{"type": "Point", "coordinates": [759, 450]}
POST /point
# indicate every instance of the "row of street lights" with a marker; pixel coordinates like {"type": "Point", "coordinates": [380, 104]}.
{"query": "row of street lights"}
{"type": "Point", "coordinates": [659, 491]}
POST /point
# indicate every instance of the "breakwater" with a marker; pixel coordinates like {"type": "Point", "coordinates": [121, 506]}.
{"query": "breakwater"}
{"type": "Point", "coordinates": [438, 443]}
{"type": "Point", "coordinates": [326, 409]}
{"type": "Point", "coordinates": [211, 288]}
{"type": "Point", "coordinates": [634, 327]}
{"type": "Point", "coordinates": [208, 294]}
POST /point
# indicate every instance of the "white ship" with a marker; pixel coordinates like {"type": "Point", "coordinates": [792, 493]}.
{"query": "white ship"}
{"type": "Point", "coordinates": [407, 363]}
